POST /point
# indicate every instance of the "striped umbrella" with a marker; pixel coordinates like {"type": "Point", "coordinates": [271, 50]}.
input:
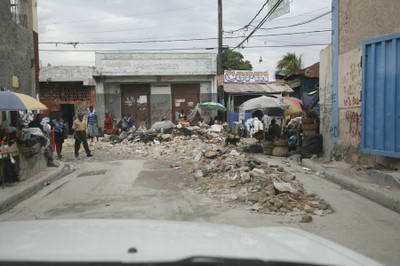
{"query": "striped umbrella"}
{"type": "Point", "coordinates": [295, 106]}
{"type": "Point", "coordinates": [12, 101]}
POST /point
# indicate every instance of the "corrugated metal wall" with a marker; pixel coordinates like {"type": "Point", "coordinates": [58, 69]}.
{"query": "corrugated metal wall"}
{"type": "Point", "coordinates": [381, 96]}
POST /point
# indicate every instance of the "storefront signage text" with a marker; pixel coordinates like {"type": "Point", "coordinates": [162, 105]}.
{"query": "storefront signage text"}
{"type": "Point", "coordinates": [243, 76]}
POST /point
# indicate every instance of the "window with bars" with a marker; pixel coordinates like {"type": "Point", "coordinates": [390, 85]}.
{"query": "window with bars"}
{"type": "Point", "coordinates": [65, 94]}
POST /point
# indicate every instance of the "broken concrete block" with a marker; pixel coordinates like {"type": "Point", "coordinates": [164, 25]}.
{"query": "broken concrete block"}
{"type": "Point", "coordinates": [308, 209]}
{"type": "Point", "coordinates": [245, 178]}
{"type": "Point", "coordinates": [306, 219]}
{"type": "Point", "coordinates": [256, 172]}
{"type": "Point", "coordinates": [284, 187]}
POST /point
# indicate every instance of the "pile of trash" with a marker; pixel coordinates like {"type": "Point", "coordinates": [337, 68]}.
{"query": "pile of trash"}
{"type": "Point", "coordinates": [221, 169]}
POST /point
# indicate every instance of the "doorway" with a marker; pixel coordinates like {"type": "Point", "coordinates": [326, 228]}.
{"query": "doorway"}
{"type": "Point", "coordinates": [135, 101]}
{"type": "Point", "coordinates": [185, 97]}
{"type": "Point", "coordinates": [68, 113]}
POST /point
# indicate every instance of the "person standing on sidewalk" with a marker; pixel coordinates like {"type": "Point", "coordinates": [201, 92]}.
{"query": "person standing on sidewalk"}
{"type": "Point", "coordinates": [92, 124]}
{"type": "Point", "coordinates": [80, 127]}
{"type": "Point", "coordinates": [59, 133]}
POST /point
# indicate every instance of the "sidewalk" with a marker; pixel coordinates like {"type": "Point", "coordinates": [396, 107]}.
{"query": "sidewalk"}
{"type": "Point", "coordinates": [382, 187]}
{"type": "Point", "coordinates": [14, 193]}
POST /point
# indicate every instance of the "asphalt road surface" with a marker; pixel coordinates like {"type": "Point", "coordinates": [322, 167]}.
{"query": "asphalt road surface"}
{"type": "Point", "coordinates": [145, 189]}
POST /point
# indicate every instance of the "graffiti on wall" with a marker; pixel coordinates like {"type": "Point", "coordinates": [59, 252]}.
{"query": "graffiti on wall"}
{"type": "Point", "coordinates": [129, 101]}
{"type": "Point", "coordinates": [350, 83]}
{"type": "Point", "coordinates": [353, 119]}
{"type": "Point", "coordinates": [160, 107]}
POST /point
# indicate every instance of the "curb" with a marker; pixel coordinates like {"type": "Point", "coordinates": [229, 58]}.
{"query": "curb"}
{"type": "Point", "coordinates": [361, 189]}
{"type": "Point", "coordinates": [32, 188]}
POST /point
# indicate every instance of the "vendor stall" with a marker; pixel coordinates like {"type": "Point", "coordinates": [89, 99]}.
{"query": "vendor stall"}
{"type": "Point", "coordinates": [21, 148]}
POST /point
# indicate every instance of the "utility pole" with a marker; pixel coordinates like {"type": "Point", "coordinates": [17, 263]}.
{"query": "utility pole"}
{"type": "Point", "coordinates": [220, 68]}
{"type": "Point", "coordinates": [220, 63]}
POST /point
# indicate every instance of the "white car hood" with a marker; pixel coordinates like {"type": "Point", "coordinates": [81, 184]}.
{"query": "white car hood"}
{"type": "Point", "coordinates": [164, 241]}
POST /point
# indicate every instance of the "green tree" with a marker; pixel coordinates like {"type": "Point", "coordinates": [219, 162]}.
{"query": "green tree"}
{"type": "Point", "coordinates": [235, 60]}
{"type": "Point", "coordinates": [290, 64]}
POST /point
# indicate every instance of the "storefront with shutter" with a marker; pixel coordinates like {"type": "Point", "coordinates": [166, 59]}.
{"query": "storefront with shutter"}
{"type": "Point", "coordinates": [152, 85]}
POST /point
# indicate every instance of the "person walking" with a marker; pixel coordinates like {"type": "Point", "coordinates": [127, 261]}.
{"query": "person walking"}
{"type": "Point", "coordinates": [80, 127]}
{"type": "Point", "coordinates": [92, 124]}
{"type": "Point", "coordinates": [58, 126]}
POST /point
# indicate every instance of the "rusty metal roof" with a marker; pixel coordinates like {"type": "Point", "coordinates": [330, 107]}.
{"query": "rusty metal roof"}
{"type": "Point", "coordinates": [273, 87]}
{"type": "Point", "coordinates": [311, 71]}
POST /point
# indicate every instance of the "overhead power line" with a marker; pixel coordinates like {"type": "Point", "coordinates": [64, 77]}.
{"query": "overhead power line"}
{"type": "Point", "coordinates": [297, 24]}
{"type": "Point", "coordinates": [261, 23]}
{"type": "Point", "coordinates": [251, 21]}
{"type": "Point", "coordinates": [75, 43]}
{"type": "Point", "coordinates": [178, 49]}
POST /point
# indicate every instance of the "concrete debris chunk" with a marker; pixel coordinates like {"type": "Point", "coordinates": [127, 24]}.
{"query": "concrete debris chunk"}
{"type": "Point", "coordinates": [166, 137]}
{"type": "Point", "coordinates": [255, 207]}
{"type": "Point", "coordinates": [257, 172]}
{"type": "Point", "coordinates": [306, 219]}
{"type": "Point", "coordinates": [234, 153]}
{"type": "Point", "coordinates": [245, 178]}
{"type": "Point", "coordinates": [284, 187]}
{"type": "Point", "coordinates": [314, 204]}
{"type": "Point", "coordinates": [198, 174]}
{"type": "Point", "coordinates": [308, 209]}
{"type": "Point", "coordinates": [211, 154]}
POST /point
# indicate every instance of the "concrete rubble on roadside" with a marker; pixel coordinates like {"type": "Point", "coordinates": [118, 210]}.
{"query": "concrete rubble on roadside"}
{"type": "Point", "coordinates": [222, 171]}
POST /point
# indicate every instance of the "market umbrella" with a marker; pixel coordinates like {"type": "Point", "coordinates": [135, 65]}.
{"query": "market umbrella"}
{"type": "Point", "coordinates": [295, 106]}
{"type": "Point", "coordinates": [263, 102]}
{"type": "Point", "coordinates": [212, 106]}
{"type": "Point", "coordinates": [12, 101]}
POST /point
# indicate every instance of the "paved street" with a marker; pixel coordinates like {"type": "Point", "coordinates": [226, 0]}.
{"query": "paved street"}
{"type": "Point", "coordinates": [148, 189]}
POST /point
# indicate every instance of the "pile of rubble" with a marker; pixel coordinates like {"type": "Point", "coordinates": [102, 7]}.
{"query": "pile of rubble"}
{"type": "Point", "coordinates": [222, 170]}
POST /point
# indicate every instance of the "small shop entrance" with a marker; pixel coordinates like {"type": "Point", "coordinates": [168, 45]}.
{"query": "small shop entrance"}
{"type": "Point", "coordinates": [184, 97]}
{"type": "Point", "coordinates": [135, 101]}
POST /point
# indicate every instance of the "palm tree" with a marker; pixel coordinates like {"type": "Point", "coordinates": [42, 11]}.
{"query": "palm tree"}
{"type": "Point", "coordinates": [290, 64]}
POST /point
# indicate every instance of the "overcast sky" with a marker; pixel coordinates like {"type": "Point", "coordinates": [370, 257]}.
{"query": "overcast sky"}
{"type": "Point", "coordinates": [77, 22]}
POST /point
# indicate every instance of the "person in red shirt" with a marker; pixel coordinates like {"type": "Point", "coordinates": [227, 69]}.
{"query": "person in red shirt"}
{"type": "Point", "coordinates": [108, 124]}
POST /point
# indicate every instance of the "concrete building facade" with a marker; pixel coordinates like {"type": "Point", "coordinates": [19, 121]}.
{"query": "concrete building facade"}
{"type": "Point", "coordinates": [67, 89]}
{"type": "Point", "coordinates": [19, 46]}
{"type": "Point", "coordinates": [341, 75]}
{"type": "Point", "coordinates": [152, 85]}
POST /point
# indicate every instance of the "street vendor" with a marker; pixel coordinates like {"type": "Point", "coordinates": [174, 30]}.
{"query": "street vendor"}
{"type": "Point", "coordinates": [184, 121]}
{"type": "Point", "coordinates": [108, 124]}
{"type": "Point", "coordinates": [274, 131]}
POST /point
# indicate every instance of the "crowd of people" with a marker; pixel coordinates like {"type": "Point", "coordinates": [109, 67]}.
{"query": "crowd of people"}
{"type": "Point", "coordinates": [289, 130]}
{"type": "Point", "coordinates": [87, 129]}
